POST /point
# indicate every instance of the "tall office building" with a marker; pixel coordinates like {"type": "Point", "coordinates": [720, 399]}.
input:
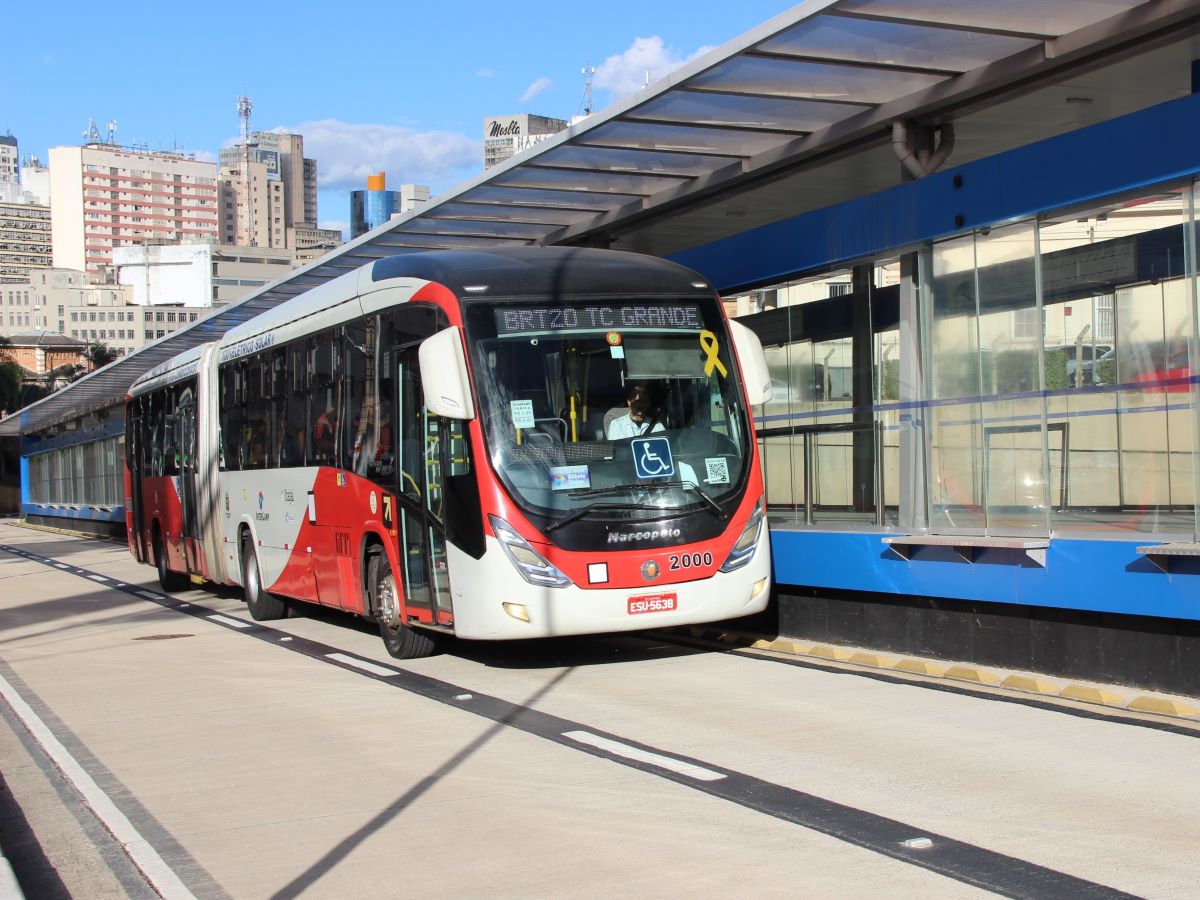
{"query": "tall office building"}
{"type": "Point", "coordinates": [374, 206]}
{"type": "Point", "coordinates": [104, 196]}
{"type": "Point", "coordinates": [10, 173]}
{"type": "Point", "coordinates": [269, 168]}
{"type": "Point", "coordinates": [24, 240]}
{"type": "Point", "coordinates": [505, 136]}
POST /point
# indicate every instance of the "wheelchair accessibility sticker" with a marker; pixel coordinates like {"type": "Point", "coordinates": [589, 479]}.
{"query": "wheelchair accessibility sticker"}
{"type": "Point", "coordinates": [652, 457]}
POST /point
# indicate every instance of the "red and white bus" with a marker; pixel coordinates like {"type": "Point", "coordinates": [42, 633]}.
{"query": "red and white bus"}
{"type": "Point", "coordinates": [505, 444]}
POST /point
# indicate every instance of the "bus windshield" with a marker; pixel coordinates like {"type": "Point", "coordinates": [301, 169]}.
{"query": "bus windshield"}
{"type": "Point", "coordinates": [610, 410]}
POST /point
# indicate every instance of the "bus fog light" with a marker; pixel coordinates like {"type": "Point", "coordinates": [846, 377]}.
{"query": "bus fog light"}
{"type": "Point", "coordinates": [517, 611]}
{"type": "Point", "coordinates": [759, 587]}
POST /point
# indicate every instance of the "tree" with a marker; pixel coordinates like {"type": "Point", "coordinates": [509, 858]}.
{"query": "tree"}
{"type": "Point", "coordinates": [11, 379]}
{"type": "Point", "coordinates": [99, 354]}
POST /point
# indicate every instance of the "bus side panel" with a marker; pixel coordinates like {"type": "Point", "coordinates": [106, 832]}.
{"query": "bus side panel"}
{"type": "Point", "coordinates": [160, 496]}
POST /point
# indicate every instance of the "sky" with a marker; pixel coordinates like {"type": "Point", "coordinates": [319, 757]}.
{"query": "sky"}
{"type": "Point", "coordinates": [399, 87]}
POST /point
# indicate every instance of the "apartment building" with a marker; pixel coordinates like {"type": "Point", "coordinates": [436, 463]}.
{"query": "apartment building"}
{"type": "Point", "coordinates": [104, 196]}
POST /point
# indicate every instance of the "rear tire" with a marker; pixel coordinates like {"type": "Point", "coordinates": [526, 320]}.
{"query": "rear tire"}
{"type": "Point", "coordinates": [263, 606]}
{"type": "Point", "coordinates": [401, 640]}
{"type": "Point", "coordinates": [167, 580]}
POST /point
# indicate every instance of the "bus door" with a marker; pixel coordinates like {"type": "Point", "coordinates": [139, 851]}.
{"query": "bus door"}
{"type": "Point", "coordinates": [135, 461]}
{"type": "Point", "coordinates": [185, 442]}
{"type": "Point", "coordinates": [422, 548]}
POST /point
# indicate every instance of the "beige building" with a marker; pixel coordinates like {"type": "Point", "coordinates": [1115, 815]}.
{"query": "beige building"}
{"type": "Point", "coordinates": [506, 136]}
{"type": "Point", "coordinates": [103, 196]}
{"type": "Point", "coordinates": [24, 241]}
{"type": "Point", "coordinates": [309, 242]}
{"type": "Point", "coordinates": [268, 187]}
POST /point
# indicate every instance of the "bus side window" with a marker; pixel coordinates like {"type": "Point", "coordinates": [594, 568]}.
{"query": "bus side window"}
{"type": "Point", "coordinates": [323, 409]}
{"type": "Point", "coordinates": [231, 416]}
{"type": "Point", "coordinates": [296, 420]}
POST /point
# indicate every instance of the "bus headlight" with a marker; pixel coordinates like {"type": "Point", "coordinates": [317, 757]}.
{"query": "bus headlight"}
{"type": "Point", "coordinates": [534, 567]}
{"type": "Point", "coordinates": [747, 542]}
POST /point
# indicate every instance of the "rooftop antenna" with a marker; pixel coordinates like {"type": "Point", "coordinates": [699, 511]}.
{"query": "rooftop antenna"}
{"type": "Point", "coordinates": [112, 131]}
{"type": "Point", "coordinates": [92, 132]}
{"type": "Point", "coordinates": [585, 105]}
{"type": "Point", "coordinates": [245, 107]}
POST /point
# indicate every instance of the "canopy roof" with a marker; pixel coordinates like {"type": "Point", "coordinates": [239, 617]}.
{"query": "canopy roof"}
{"type": "Point", "coordinates": [792, 115]}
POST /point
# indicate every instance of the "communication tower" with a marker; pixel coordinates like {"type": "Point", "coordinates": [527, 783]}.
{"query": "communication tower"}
{"type": "Point", "coordinates": [244, 109]}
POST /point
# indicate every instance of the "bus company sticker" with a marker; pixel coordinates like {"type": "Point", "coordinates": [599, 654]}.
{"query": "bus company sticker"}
{"type": "Point", "coordinates": [261, 516]}
{"type": "Point", "coordinates": [569, 478]}
{"type": "Point", "coordinates": [227, 505]}
{"type": "Point", "coordinates": [341, 479]}
{"type": "Point", "coordinates": [718, 470]}
{"type": "Point", "coordinates": [387, 510]}
{"type": "Point", "coordinates": [522, 413]}
{"type": "Point", "coordinates": [374, 503]}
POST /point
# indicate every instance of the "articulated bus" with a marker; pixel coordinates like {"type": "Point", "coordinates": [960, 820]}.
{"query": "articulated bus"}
{"type": "Point", "coordinates": [514, 443]}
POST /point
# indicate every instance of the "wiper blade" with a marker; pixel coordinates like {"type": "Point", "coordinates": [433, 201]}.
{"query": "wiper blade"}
{"type": "Point", "coordinates": [712, 504]}
{"type": "Point", "coordinates": [618, 488]}
{"type": "Point", "coordinates": [590, 508]}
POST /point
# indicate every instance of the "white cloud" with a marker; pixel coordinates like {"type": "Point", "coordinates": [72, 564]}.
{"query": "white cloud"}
{"type": "Point", "coordinates": [337, 225]}
{"type": "Point", "coordinates": [346, 153]}
{"type": "Point", "coordinates": [534, 89]}
{"type": "Point", "coordinates": [203, 155]}
{"type": "Point", "coordinates": [485, 73]}
{"type": "Point", "coordinates": [626, 73]}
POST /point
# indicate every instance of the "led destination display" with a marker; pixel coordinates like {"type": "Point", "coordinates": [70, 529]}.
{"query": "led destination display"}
{"type": "Point", "coordinates": [515, 320]}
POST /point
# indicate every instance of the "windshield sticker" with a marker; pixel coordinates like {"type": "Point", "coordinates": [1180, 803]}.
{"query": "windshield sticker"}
{"type": "Point", "coordinates": [652, 457]}
{"type": "Point", "coordinates": [569, 478]}
{"type": "Point", "coordinates": [717, 468]}
{"type": "Point", "coordinates": [708, 343]}
{"type": "Point", "coordinates": [617, 351]}
{"type": "Point", "coordinates": [522, 413]}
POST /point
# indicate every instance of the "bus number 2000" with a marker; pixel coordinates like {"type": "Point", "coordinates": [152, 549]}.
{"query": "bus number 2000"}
{"type": "Point", "coordinates": [690, 560]}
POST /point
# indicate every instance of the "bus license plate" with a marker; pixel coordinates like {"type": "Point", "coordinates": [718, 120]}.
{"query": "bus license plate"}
{"type": "Point", "coordinates": [653, 603]}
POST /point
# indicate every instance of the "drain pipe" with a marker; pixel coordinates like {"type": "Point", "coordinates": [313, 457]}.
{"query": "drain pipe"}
{"type": "Point", "coordinates": [922, 163]}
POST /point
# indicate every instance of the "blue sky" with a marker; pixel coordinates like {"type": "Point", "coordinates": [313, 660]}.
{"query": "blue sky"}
{"type": "Point", "coordinates": [400, 87]}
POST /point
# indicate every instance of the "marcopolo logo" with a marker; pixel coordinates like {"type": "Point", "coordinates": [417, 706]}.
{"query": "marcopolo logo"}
{"type": "Point", "coordinates": [658, 534]}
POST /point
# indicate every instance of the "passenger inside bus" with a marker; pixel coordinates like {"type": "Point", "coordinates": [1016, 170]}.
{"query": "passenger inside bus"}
{"type": "Point", "coordinates": [325, 432]}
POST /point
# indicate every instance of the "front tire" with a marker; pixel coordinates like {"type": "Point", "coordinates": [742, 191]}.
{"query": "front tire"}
{"type": "Point", "coordinates": [263, 606]}
{"type": "Point", "coordinates": [401, 640]}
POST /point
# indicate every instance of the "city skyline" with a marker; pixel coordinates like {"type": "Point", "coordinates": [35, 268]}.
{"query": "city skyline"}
{"type": "Point", "coordinates": [459, 72]}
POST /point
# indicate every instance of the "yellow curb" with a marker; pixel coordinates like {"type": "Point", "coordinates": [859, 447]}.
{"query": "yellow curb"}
{"type": "Point", "coordinates": [786, 646]}
{"type": "Point", "coordinates": [1091, 695]}
{"type": "Point", "coordinates": [970, 673]}
{"type": "Point", "coordinates": [1029, 683]}
{"type": "Point", "coordinates": [1166, 707]}
{"type": "Point", "coordinates": [823, 651]}
{"type": "Point", "coordinates": [764, 644]}
{"type": "Point", "coordinates": [919, 667]}
{"type": "Point", "coordinates": [872, 659]}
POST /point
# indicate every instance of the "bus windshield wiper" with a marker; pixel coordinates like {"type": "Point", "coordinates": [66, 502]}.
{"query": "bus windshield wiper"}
{"type": "Point", "coordinates": [590, 508]}
{"type": "Point", "coordinates": [646, 485]}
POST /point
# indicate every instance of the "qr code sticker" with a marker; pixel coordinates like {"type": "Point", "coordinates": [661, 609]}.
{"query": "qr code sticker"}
{"type": "Point", "coordinates": [718, 470]}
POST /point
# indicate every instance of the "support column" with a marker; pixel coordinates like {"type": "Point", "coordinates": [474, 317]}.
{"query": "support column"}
{"type": "Point", "coordinates": [862, 388]}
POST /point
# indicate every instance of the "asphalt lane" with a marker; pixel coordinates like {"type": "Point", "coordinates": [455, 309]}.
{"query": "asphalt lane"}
{"type": "Point", "coordinates": [300, 760]}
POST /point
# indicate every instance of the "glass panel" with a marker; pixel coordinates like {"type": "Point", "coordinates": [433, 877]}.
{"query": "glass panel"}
{"type": "Point", "coordinates": [812, 80]}
{"type": "Point", "coordinates": [585, 180]}
{"type": "Point", "coordinates": [650, 162]}
{"type": "Point", "coordinates": [550, 199]}
{"type": "Point", "coordinates": [1028, 16]}
{"type": "Point", "coordinates": [893, 43]}
{"type": "Point", "coordinates": [1118, 366]}
{"type": "Point", "coordinates": [681, 138]}
{"type": "Point", "coordinates": [506, 213]}
{"type": "Point", "coordinates": [781, 113]}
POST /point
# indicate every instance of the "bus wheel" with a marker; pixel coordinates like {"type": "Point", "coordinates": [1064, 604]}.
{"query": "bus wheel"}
{"type": "Point", "coordinates": [401, 640]}
{"type": "Point", "coordinates": [167, 580]}
{"type": "Point", "coordinates": [262, 605]}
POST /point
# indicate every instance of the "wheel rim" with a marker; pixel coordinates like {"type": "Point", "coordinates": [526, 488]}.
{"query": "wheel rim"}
{"type": "Point", "coordinates": [389, 609]}
{"type": "Point", "coordinates": [251, 577]}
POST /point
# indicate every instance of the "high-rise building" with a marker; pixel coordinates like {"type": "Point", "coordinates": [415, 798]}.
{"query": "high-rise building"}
{"type": "Point", "coordinates": [268, 168]}
{"type": "Point", "coordinates": [505, 136]}
{"type": "Point", "coordinates": [24, 240]}
{"type": "Point", "coordinates": [10, 174]}
{"type": "Point", "coordinates": [104, 196]}
{"type": "Point", "coordinates": [374, 206]}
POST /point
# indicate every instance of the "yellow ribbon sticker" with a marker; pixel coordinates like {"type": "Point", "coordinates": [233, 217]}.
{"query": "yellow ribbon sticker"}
{"type": "Point", "coordinates": [708, 343]}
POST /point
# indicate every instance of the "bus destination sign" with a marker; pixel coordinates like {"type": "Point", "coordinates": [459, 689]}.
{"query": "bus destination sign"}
{"type": "Point", "coordinates": [518, 320]}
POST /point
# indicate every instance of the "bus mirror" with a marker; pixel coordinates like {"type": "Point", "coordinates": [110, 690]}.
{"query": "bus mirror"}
{"type": "Point", "coordinates": [754, 363]}
{"type": "Point", "coordinates": [444, 375]}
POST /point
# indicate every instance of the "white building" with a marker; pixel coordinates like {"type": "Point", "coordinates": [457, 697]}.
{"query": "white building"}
{"type": "Point", "coordinates": [197, 275]}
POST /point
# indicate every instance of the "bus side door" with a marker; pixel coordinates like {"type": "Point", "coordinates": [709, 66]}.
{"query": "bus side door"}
{"type": "Point", "coordinates": [422, 547]}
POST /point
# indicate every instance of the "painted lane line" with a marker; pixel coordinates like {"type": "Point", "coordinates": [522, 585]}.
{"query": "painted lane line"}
{"type": "Point", "coordinates": [226, 620]}
{"type": "Point", "coordinates": [371, 667]}
{"type": "Point", "coordinates": [644, 756]}
{"type": "Point", "coordinates": [100, 578]}
{"type": "Point", "coordinates": [150, 595]}
{"type": "Point", "coordinates": [160, 875]}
